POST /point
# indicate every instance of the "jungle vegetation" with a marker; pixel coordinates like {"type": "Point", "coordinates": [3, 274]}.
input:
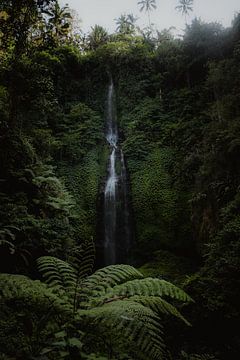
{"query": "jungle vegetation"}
{"type": "Point", "coordinates": [178, 105]}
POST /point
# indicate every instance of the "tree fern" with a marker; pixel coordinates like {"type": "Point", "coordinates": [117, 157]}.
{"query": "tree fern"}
{"type": "Point", "coordinates": [83, 259]}
{"type": "Point", "coordinates": [116, 300]}
{"type": "Point", "coordinates": [110, 276]}
{"type": "Point", "coordinates": [137, 324]}
{"type": "Point", "coordinates": [159, 306]}
{"type": "Point", "coordinates": [149, 287]}
{"type": "Point", "coordinates": [7, 238]}
{"type": "Point", "coordinates": [197, 356]}
{"type": "Point", "coordinates": [83, 262]}
{"type": "Point", "coordinates": [65, 277]}
{"type": "Point", "coordinates": [202, 357]}
{"type": "Point", "coordinates": [58, 274]}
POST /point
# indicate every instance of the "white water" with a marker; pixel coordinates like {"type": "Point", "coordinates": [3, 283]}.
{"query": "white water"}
{"type": "Point", "coordinates": [112, 133]}
{"type": "Point", "coordinates": [110, 191]}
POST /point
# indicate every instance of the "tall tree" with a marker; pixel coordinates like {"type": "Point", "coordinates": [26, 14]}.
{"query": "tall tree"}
{"type": "Point", "coordinates": [126, 24]}
{"type": "Point", "coordinates": [59, 21]}
{"type": "Point", "coordinates": [147, 5]}
{"type": "Point", "coordinates": [185, 6]}
{"type": "Point", "coordinates": [97, 37]}
{"type": "Point", "coordinates": [16, 20]}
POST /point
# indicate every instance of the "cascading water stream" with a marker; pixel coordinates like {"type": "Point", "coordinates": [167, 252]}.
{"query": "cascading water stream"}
{"type": "Point", "coordinates": [117, 234]}
{"type": "Point", "coordinates": [111, 184]}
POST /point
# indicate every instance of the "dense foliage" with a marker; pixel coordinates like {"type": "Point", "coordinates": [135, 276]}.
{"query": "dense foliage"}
{"type": "Point", "coordinates": [179, 115]}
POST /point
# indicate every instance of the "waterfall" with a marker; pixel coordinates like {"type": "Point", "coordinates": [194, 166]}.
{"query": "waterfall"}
{"type": "Point", "coordinates": [117, 233]}
{"type": "Point", "coordinates": [110, 192]}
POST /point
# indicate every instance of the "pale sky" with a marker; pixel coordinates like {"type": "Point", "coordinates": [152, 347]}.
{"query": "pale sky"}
{"type": "Point", "coordinates": [103, 12]}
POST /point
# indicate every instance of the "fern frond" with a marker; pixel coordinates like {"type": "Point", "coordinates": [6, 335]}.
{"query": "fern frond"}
{"type": "Point", "coordinates": [83, 259]}
{"type": "Point", "coordinates": [110, 276]}
{"type": "Point", "coordinates": [9, 245]}
{"type": "Point", "coordinates": [159, 306]}
{"type": "Point", "coordinates": [29, 293]}
{"type": "Point", "coordinates": [201, 357]}
{"type": "Point", "coordinates": [57, 273]}
{"type": "Point", "coordinates": [138, 325]}
{"type": "Point", "coordinates": [150, 287]}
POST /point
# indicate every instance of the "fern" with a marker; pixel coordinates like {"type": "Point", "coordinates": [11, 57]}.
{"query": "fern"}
{"type": "Point", "coordinates": [197, 356]}
{"type": "Point", "coordinates": [116, 300]}
{"type": "Point", "coordinates": [137, 324]}
{"type": "Point", "coordinates": [110, 276]}
{"type": "Point", "coordinates": [7, 239]}
{"type": "Point", "coordinates": [64, 277]}
{"type": "Point", "coordinates": [159, 306]}
{"type": "Point", "coordinates": [83, 259]}
{"type": "Point", "coordinates": [202, 357]}
{"type": "Point", "coordinates": [58, 274]}
{"type": "Point", "coordinates": [149, 287]}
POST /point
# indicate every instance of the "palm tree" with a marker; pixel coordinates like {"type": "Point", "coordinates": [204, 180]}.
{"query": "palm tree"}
{"type": "Point", "coordinates": [164, 36]}
{"type": "Point", "coordinates": [185, 6]}
{"type": "Point", "coordinates": [147, 5]}
{"type": "Point", "coordinates": [97, 37]}
{"type": "Point", "coordinates": [126, 24]}
{"type": "Point", "coordinates": [132, 19]}
{"type": "Point", "coordinates": [59, 21]}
